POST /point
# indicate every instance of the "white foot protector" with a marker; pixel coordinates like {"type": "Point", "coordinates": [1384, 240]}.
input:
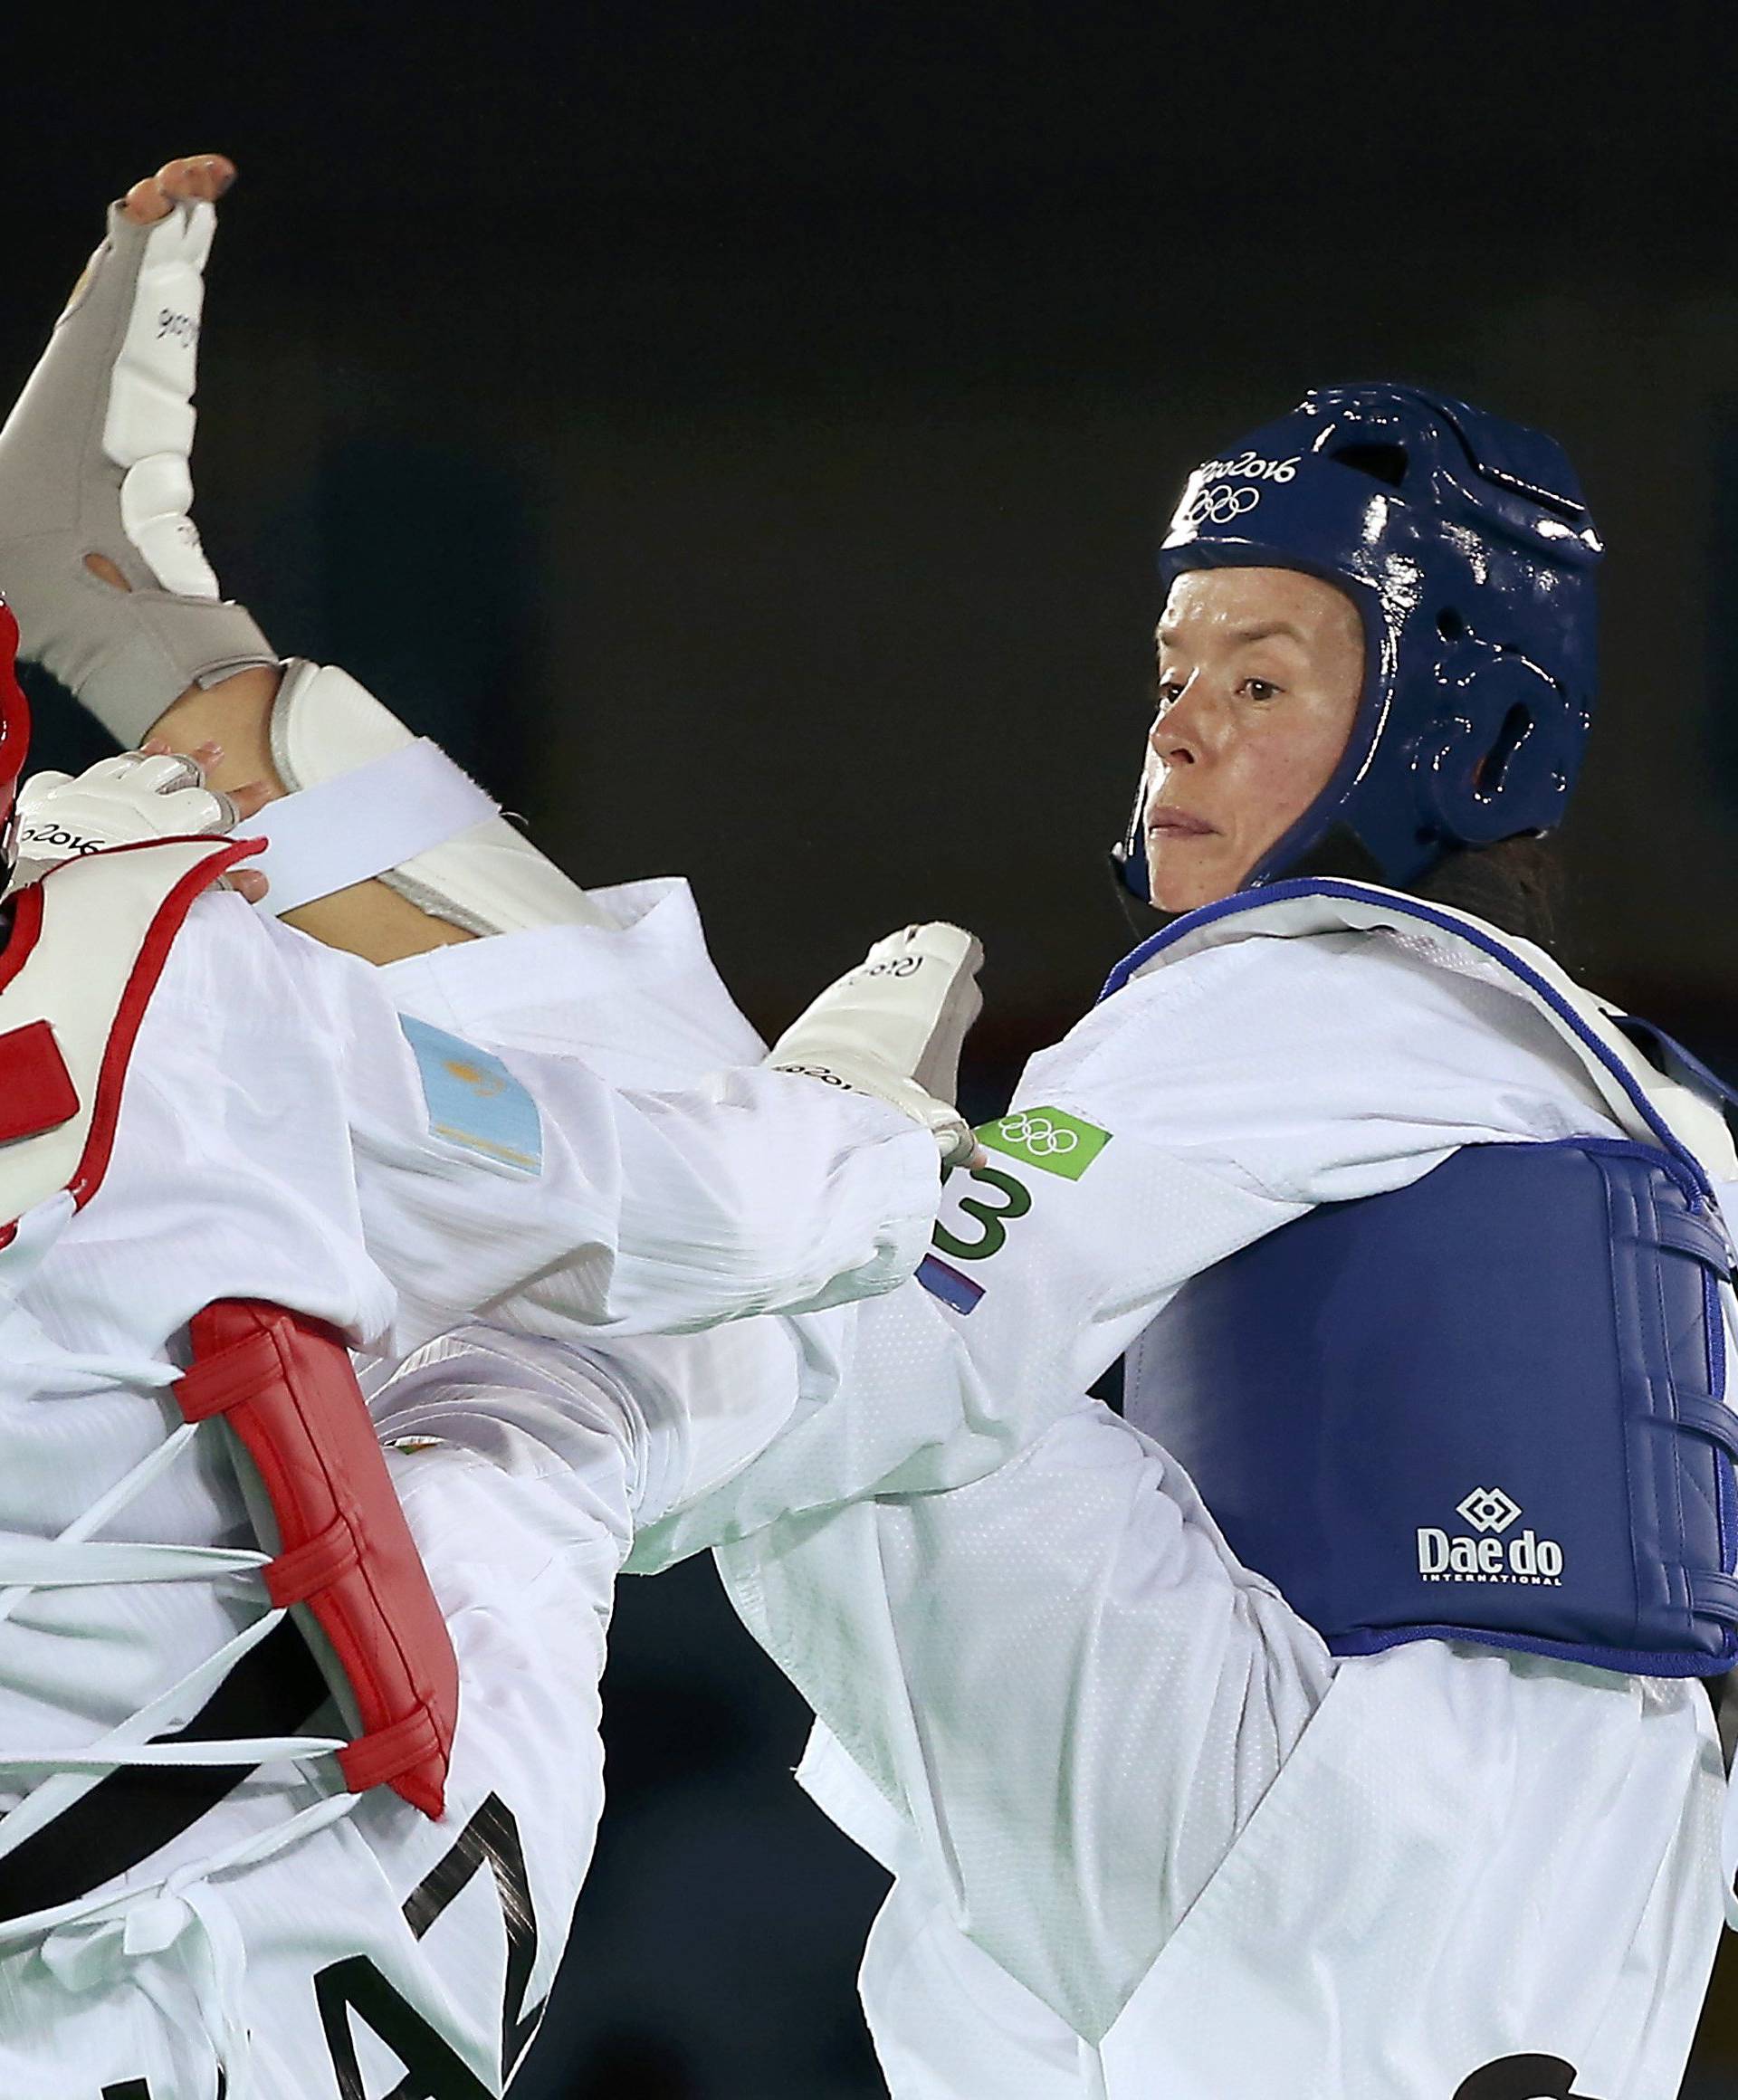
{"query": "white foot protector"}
{"type": "Point", "coordinates": [95, 458]}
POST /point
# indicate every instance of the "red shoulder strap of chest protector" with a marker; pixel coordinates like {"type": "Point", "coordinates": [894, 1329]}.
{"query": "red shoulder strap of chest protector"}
{"type": "Point", "coordinates": [286, 1387]}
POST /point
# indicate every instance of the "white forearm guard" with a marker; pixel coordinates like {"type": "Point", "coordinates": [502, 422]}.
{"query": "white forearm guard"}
{"type": "Point", "coordinates": [893, 1028]}
{"type": "Point", "coordinates": [371, 799]}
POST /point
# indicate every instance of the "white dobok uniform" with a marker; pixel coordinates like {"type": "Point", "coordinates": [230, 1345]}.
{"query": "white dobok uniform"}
{"type": "Point", "coordinates": [1051, 1700]}
{"type": "Point", "coordinates": [1151, 1840]}
{"type": "Point", "coordinates": [284, 1136]}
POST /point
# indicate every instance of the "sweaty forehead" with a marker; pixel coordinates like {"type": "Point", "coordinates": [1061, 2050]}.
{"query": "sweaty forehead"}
{"type": "Point", "coordinates": [1246, 603]}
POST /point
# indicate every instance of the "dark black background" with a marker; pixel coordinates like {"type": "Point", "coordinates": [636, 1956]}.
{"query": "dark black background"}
{"type": "Point", "coordinates": [741, 433]}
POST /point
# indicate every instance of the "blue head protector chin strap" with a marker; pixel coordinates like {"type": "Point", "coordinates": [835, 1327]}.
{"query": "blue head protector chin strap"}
{"type": "Point", "coordinates": [1464, 542]}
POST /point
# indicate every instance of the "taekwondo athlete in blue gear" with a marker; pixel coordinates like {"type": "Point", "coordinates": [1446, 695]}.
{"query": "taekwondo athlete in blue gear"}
{"type": "Point", "coordinates": [1544, 1315]}
{"type": "Point", "coordinates": [1328, 1726]}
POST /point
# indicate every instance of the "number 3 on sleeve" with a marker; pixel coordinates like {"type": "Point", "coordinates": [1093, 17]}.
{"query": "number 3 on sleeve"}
{"type": "Point", "coordinates": [1016, 1201]}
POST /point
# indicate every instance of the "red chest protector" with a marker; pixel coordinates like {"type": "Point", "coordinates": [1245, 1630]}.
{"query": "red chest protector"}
{"type": "Point", "coordinates": [88, 946]}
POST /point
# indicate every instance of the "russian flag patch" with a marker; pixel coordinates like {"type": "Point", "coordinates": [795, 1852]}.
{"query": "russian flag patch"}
{"type": "Point", "coordinates": [944, 1282]}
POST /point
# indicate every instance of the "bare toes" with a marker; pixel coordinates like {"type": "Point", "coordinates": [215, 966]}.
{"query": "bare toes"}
{"type": "Point", "coordinates": [198, 177]}
{"type": "Point", "coordinates": [195, 178]}
{"type": "Point", "coordinates": [147, 202]}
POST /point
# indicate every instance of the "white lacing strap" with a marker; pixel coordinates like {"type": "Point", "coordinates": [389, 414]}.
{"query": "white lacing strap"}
{"type": "Point", "coordinates": [77, 1374]}
{"type": "Point", "coordinates": [83, 1942]}
{"type": "Point", "coordinates": [73, 1772]}
{"type": "Point", "coordinates": [115, 1498]}
{"type": "Point", "coordinates": [74, 1558]}
{"type": "Point", "coordinates": [361, 823]}
{"type": "Point", "coordinates": [87, 1941]}
{"type": "Point", "coordinates": [55, 1564]}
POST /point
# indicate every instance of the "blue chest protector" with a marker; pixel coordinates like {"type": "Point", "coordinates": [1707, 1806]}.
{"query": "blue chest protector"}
{"type": "Point", "coordinates": [1487, 1407]}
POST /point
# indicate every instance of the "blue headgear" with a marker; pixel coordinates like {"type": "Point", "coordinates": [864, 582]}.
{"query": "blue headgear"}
{"type": "Point", "coordinates": [1464, 542]}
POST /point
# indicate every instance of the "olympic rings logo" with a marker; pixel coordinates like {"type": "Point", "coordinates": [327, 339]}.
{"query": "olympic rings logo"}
{"type": "Point", "coordinates": [1220, 504]}
{"type": "Point", "coordinates": [1037, 1135]}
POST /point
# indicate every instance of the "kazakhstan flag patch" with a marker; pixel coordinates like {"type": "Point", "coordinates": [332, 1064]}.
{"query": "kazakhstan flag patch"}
{"type": "Point", "coordinates": [473, 1100]}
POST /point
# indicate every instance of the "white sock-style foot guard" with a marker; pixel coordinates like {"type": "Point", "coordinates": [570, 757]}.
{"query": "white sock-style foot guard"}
{"type": "Point", "coordinates": [96, 459]}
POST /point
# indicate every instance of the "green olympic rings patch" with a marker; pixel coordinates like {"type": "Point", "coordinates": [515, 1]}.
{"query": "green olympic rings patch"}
{"type": "Point", "coordinates": [1048, 1137]}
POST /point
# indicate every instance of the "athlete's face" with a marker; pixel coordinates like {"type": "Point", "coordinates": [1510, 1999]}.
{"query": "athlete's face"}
{"type": "Point", "coordinates": [1258, 677]}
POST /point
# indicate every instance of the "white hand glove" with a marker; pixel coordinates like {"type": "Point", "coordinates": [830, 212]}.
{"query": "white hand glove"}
{"type": "Point", "coordinates": [893, 1026]}
{"type": "Point", "coordinates": [116, 802]}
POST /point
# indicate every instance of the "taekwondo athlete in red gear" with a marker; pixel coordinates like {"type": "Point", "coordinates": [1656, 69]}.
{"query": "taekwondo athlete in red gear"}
{"type": "Point", "coordinates": [267, 1688]}
{"type": "Point", "coordinates": [287, 1923]}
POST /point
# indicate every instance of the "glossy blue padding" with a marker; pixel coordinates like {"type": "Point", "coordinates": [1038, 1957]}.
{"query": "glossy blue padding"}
{"type": "Point", "coordinates": [1464, 542]}
{"type": "Point", "coordinates": [1487, 1407]}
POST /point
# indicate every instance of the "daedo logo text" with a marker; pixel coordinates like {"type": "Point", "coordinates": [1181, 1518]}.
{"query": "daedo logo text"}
{"type": "Point", "coordinates": [1494, 1557]}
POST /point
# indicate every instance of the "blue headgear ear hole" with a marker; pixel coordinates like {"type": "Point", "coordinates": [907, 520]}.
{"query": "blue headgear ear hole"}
{"type": "Point", "coordinates": [1487, 772]}
{"type": "Point", "coordinates": [1491, 773]}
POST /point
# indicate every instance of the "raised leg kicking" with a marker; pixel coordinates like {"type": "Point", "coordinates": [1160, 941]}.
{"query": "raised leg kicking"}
{"type": "Point", "coordinates": [368, 1156]}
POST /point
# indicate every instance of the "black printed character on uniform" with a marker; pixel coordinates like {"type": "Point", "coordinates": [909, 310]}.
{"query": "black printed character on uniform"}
{"type": "Point", "coordinates": [1522, 2079]}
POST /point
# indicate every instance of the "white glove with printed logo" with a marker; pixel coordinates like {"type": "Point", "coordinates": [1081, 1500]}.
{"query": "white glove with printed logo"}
{"type": "Point", "coordinates": [116, 802]}
{"type": "Point", "coordinates": [893, 1026]}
